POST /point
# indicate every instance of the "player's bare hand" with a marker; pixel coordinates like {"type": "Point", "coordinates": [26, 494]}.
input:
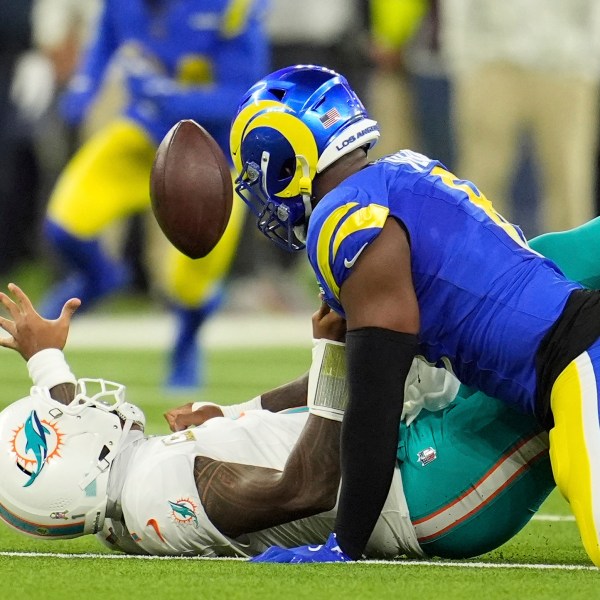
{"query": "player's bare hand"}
{"type": "Point", "coordinates": [182, 417]}
{"type": "Point", "coordinates": [328, 324]}
{"type": "Point", "coordinates": [29, 332]}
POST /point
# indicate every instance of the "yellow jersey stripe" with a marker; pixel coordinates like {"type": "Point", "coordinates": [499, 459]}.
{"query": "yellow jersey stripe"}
{"type": "Point", "coordinates": [323, 244]}
{"type": "Point", "coordinates": [373, 215]}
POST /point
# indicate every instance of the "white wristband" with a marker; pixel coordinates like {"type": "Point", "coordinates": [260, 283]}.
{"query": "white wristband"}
{"type": "Point", "coordinates": [237, 410]}
{"type": "Point", "coordinates": [198, 405]}
{"type": "Point", "coordinates": [48, 368]}
{"type": "Point", "coordinates": [327, 385]}
{"type": "Point", "coordinates": [233, 411]}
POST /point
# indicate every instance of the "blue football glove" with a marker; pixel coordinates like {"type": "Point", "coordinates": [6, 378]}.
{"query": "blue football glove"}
{"type": "Point", "coordinates": [152, 94]}
{"type": "Point", "coordinates": [151, 87]}
{"type": "Point", "coordinates": [328, 552]}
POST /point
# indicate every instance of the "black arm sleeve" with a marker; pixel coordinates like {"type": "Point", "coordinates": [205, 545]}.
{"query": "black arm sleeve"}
{"type": "Point", "coordinates": [378, 361]}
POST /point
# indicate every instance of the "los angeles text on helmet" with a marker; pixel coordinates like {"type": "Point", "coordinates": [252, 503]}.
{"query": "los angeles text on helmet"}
{"type": "Point", "coordinates": [353, 138]}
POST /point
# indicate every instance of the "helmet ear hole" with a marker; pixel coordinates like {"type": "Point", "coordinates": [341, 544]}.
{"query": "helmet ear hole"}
{"type": "Point", "coordinates": [287, 169]}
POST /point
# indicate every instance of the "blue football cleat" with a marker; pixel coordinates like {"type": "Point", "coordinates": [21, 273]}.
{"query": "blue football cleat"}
{"type": "Point", "coordinates": [322, 553]}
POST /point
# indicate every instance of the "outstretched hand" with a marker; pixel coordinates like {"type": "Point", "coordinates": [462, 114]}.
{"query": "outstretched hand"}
{"type": "Point", "coordinates": [29, 331]}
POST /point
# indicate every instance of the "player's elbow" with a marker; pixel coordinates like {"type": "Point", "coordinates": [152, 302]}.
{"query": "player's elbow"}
{"type": "Point", "coordinates": [327, 500]}
{"type": "Point", "coordinates": [316, 497]}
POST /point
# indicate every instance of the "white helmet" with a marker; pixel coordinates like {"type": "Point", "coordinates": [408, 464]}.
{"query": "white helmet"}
{"type": "Point", "coordinates": [55, 459]}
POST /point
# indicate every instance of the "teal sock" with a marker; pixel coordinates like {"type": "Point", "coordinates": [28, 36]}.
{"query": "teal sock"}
{"type": "Point", "coordinates": [576, 252]}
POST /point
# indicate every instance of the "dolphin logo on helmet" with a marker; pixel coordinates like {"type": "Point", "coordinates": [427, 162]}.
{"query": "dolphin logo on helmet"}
{"type": "Point", "coordinates": [81, 438]}
{"type": "Point", "coordinates": [291, 126]}
{"type": "Point", "coordinates": [35, 434]}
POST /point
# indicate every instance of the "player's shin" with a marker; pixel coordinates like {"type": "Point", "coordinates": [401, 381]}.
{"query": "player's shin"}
{"type": "Point", "coordinates": [186, 359]}
{"type": "Point", "coordinates": [95, 274]}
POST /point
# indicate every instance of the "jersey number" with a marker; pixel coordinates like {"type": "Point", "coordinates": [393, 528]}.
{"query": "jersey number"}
{"type": "Point", "coordinates": [477, 198]}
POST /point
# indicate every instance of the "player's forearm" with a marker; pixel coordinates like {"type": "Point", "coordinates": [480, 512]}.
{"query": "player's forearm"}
{"type": "Point", "coordinates": [289, 395]}
{"type": "Point", "coordinates": [240, 499]}
{"type": "Point", "coordinates": [48, 368]}
{"type": "Point", "coordinates": [378, 363]}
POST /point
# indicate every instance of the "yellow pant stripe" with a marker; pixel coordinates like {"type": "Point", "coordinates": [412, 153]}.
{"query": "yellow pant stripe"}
{"type": "Point", "coordinates": [575, 447]}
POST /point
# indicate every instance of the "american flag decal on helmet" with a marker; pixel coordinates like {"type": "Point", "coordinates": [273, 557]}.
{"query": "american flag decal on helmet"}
{"type": "Point", "coordinates": [330, 117]}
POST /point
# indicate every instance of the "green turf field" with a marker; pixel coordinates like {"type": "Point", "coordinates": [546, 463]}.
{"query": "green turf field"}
{"type": "Point", "coordinates": [545, 560]}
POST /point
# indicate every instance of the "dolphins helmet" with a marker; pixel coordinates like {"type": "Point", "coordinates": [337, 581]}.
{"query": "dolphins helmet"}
{"type": "Point", "coordinates": [289, 127]}
{"type": "Point", "coordinates": [55, 459]}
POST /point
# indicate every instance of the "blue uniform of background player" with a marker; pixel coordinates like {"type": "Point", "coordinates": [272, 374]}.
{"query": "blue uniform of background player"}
{"type": "Point", "coordinates": [193, 60]}
{"type": "Point", "coordinates": [187, 59]}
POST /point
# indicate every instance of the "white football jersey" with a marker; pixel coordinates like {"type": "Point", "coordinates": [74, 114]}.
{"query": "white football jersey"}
{"type": "Point", "coordinates": [164, 515]}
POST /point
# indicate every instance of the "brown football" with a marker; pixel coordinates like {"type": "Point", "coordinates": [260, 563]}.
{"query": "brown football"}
{"type": "Point", "coordinates": [191, 189]}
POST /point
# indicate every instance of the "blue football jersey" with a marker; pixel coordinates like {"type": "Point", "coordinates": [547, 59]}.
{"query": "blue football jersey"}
{"type": "Point", "coordinates": [486, 299]}
{"type": "Point", "coordinates": [211, 50]}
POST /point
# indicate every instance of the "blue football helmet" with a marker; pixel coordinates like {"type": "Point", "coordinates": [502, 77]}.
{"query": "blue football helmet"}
{"type": "Point", "coordinates": [289, 127]}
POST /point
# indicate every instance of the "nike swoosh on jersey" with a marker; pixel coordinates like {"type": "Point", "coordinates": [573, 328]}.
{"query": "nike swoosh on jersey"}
{"type": "Point", "coordinates": [154, 525]}
{"type": "Point", "coordinates": [350, 263]}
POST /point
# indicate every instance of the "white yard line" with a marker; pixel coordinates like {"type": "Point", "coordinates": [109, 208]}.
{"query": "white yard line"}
{"type": "Point", "coordinates": [399, 563]}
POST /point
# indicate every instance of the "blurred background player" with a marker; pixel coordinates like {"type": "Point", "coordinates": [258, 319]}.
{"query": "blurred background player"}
{"type": "Point", "coordinates": [185, 59]}
{"type": "Point", "coordinates": [525, 75]}
{"type": "Point", "coordinates": [409, 91]}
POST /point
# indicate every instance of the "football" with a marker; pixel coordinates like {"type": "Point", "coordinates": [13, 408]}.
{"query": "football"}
{"type": "Point", "coordinates": [191, 189]}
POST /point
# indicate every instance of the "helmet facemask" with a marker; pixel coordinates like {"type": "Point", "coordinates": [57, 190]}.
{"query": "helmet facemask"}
{"type": "Point", "coordinates": [282, 221]}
